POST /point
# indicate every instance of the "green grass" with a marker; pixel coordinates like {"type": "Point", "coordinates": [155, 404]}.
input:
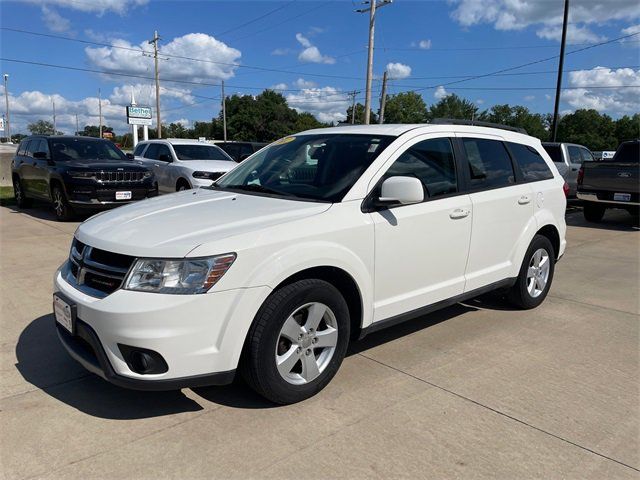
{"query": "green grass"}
{"type": "Point", "coordinates": [6, 196]}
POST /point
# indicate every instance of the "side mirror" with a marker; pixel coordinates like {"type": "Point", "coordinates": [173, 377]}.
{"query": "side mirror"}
{"type": "Point", "coordinates": [40, 155]}
{"type": "Point", "coordinates": [130, 156]}
{"type": "Point", "coordinates": [401, 191]}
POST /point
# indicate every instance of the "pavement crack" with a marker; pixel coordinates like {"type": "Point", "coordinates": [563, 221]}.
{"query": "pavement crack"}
{"type": "Point", "coordinates": [498, 412]}
{"type": "Point", "coordinates": [592, 305]}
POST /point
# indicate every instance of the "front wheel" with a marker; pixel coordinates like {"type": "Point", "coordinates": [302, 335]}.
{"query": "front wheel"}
{"type": "Point", "coordinates": [61, 206]}
{"type": "Point", "coordinates": [297, 341]}
{"type": "Point", "coordinates": [18, 192]}
{"type": "Point", "coordinates": [536, 274]}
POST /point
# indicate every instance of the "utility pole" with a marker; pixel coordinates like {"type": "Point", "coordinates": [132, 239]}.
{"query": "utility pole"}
{"type": "Point", "coordinates": [554, 127]}
{"type": "Point", "coordinates": [6, 99]}
{"type": "Point", "coordinates": [154, 42]}
{"type": "Point", "coordinates": [224, 113]}
{"type": "Point", "coordinates": [383, 98]}
{"type": "Point", "coordinates": [53, 102]}
{"type": "Point", "coordinates": [353, 106]}
{"type": "Point", "coordinates": [373, 5]}
{"type": "Point", "coordinates": [100, 112]}
{"type": "Point", "coordinates": [77, 127]}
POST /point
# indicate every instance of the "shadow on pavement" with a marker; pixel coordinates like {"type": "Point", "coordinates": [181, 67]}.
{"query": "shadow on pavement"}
{"type": "Point", "coordinates": [44, 363]}
{"type": "Point", "coordinates": [43, 211]}
{"type": "Point", "coordinates": [614, 219]}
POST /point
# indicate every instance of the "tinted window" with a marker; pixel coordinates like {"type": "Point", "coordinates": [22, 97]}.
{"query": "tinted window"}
{"type": "Point", "coordinates": [316, 167]}
{"type": "Point", "coordinates": [627, 153]}
{"type": "Point", "coordinates": [586, 155]}
{"type": "Point", "coordinates": [232, 150]}
{"type": "Point", "coordinates": [432, 162]}
{"type": "Point", "coordinates": [22, 149]}
{"type": "Point", "coordinates": [489, 163]}
{"type": "Point", "coordinates": [139, 149]}
{"type": "Point", "coordinates": [531, 163]}
{"type": "Point", "coordinates": [68, 149]}
{"type": "Point", "coordinates": [575, 154]}
{"type": "Point", "coordinates": [199, 152]}
{"type": "Point", "coordinates": [162, 151]}
{"type": "Point", "coordinates": [32, 147]}
{"type": "Point", "coordinates": [555, 152]}
{"type": "Point", "coordinates": [152, 151]}
{"type": "Point", "coordinates": [44, 147]}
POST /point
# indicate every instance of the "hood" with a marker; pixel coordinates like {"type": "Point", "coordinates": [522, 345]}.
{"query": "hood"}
{"type": "Point", "coordinates": [173, 225]}
{"type": "Point", "coordinates": [209, 165]}
{"type": "Point", "coordinates": [102, 164]}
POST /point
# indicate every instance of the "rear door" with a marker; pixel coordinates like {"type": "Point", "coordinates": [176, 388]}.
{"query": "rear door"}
{"type": "Point", "coordinates": [502, 209]}
{"type": "Point", "coordinates": [40, 167]}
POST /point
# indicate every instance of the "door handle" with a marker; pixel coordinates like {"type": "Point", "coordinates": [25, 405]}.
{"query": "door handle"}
{"type": "Point", "coordinates": [459, 213]}
{"type": "Point", "coordinates": [574, 169]}
{"type": "Point", "coordinates": [523, 200]}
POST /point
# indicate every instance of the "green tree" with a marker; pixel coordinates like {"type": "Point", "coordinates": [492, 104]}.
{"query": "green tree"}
{"type": "Point", "coordinates": [42, 127]}
{"type": "Point", "coordinates": [627, 128]}
{"type": "Point", "coordinates": [94, 130]}
{"type": "Point", "coordinates": [589, 128]}
{"type": "Point", "coordinates": [518, 116]}
{"type": "Point", "coordinates": [175, 130]}
{"type": "Point", "coordinates": [406, 107]}
{"type": "Point", "coordinates": [453, 106]}
{"type": "Point", "coordinates": [373, 118]}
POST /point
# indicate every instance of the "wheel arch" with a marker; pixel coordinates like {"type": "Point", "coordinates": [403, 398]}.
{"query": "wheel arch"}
{"type": "Point", "coordinates": [551, 232]}
{"type": "Point", "coordinates": [182, 180]}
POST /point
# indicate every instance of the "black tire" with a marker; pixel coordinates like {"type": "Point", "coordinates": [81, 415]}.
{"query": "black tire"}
{"type": "Point", "coordinates": [258, 365]}
{"type": "Point", "coordinates": [593, 212]}
{"type": "Point", "coordinates": [182, 185]}
{"type": "Point", "coordinates": [18, 192]}
{"type": "Point", "coordinates": [61, 207]}
{"type": "Point", "coordinates": [519, 295]}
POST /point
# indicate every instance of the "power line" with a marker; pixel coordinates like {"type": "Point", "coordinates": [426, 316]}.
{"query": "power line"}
{"type": "Point", "coordinates": [475, 49]}
{"type": "Point", "coordinates": [238, 27]}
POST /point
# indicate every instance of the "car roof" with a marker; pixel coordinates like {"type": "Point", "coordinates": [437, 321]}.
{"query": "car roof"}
{"type": "Point", "coordinates": [176, 141]}
{"type": "Point", "coordinates": [399, 129]}
{"type": "Point", "coordinates": [67, 137]}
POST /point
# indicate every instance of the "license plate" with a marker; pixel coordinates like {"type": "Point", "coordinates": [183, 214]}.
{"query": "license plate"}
{"type": "Point", "coordinates": [622, 197]}
{"type": "Point", "coordinates": [123, 195]}
{"type": "Point", "coordinates": [63, 313]}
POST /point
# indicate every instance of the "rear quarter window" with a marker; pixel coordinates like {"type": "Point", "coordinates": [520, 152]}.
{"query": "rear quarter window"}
{"type": "Point", "coordinates": [531, 163]}
{"type": "Point", "coordinates": [489, 163]}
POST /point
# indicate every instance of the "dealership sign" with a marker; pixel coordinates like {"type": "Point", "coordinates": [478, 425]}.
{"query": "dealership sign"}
{"type": "Point", "coordinates": [138, 115]}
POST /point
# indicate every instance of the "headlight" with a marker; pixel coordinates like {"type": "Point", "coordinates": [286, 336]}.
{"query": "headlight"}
{"type": "Point", "coordinates": [181, 277]}
{"type": "Point", "coordinates": [80, 174]}
{"type": "Point", "coordinates": [207, 175]}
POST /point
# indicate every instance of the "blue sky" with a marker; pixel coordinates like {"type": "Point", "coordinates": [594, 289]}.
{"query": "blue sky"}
{"type": "Point", "coordinates": [318, 50]}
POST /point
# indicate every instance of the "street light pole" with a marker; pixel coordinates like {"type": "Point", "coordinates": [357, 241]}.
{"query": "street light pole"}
{"type": "Point", "coordinates": [224, 114]}
{"type": "Point", "coordinates": [100, 112]}
{"type": "Point", "coordinates": [6, 99]}
{"type": "Point", "coordinates": [154, 42]}
{"type": "Point", "coordinates": [554, 127]}
{"type": "Point", "coordinates": [53, 102]}
{"type": "Point", "coordinates": [373, 5]}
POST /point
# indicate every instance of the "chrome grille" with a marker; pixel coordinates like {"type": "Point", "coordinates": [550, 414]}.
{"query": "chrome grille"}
{"type": "Point", "coordinates": [97, 269]}
{"type": "Point", "coordinates": [119, 176]}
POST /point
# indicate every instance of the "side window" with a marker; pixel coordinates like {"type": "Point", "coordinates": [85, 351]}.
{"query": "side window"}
{"type": "Point", "coordinates": [44, 147]}
{"type": "Point", "coordinates": [139, 149]}
{"type": "Point", "coordinates": [32, 147]}
{"type": "Point", "coordinates": [587, 156]}
{"type": "Point", "coordinates": [531, 163]}
{"type": "Point", "coordinates": [163, 150]}
{"type": "Point", "coordinates": [489, 163]}
{"type": "Point", "coordinates": [432, 162]}
{"type": "Point", "coordinates": [555, 152]}
{"type": "Point", "coordinates": [22, 149]}
{"type": "Point", "coordinates": [575, 156]}
{"type": "Point", "coordinates": [152, 151]}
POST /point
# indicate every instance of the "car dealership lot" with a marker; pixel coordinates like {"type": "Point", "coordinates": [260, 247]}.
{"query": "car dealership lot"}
{"type": "Point", "coordinates": [476, 390]}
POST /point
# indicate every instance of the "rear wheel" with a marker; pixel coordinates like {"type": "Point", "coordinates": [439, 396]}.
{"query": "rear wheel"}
{"type": "Point", "coordinates": [297, 341]}
{"type": "Point", "coordinates": [61, 206]}
{"type": "Point", "coordinates": [18, 192]}
{"type": "Point", "coordinates": [182, 185]}
{"type": "Point", "coordinates": [536, 274]}
{"type": "Point", "coordinates": [593, 212]}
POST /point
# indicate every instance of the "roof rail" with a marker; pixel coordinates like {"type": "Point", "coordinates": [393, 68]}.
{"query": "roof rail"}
{"type": "Point", "coordinates": [477, 123]}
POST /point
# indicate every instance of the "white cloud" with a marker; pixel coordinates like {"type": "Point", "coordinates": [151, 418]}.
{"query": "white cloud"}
{"type": "Point", "coordinates": [280, 52]}
{"type": "Point", "coordinates": [440, 93]}
{"type": "Point", "coordinates": [279, 86]}
{"type": "Point", "coordinates": [479, 101]}
{"type": "Point", "coordinates": [547, 96]}
{"type": "Point", "coordinates": [422, 44]}
{"type": "Point", "coordinates": [544, 15]}
{"type": "Point", "coordinates": [54, 21]}
{"type": "Point", "coordinates": [311, 53]}
{"type": "Point", "coordinates": [398, 71]}
{"type": "Point", "coordinates": [183, 121]}
{"type": "Point", "coordinates": [193, 45]}
{"type": "Point", "coordinates": [575, 34]}
{"type": "Point", "coordinates": [327, 104]}
{"type": "Point", "coordinates": [302, 83]}
{"type": "Point", "coordinates": [631, 30]}
{"type": "Point", "coordinates": [92, 6]}
{"type": "Point", "coordinates": [529, 98]}
{"type": "Point", "coordinates": [613, 101]}
{"type": "Point", "coordinates": [145, 94]}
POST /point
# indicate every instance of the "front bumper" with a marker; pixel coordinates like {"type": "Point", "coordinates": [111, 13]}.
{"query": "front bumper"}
{"type": "Point", "coordinates": [200, 337]}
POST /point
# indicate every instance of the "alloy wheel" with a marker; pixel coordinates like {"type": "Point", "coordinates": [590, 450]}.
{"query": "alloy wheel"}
{"type": "Point", "coordinates": [306, 343]}
{"type": "Point", "coordinates": [58, 203]}
{"type": "Point", "coordinates": [538, 272]}
{"type": "Point", "coordinates": [17, 191]}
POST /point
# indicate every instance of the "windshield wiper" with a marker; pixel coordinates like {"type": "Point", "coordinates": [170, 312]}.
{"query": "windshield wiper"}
{"type": "Point", "coordinates": [253, 188]}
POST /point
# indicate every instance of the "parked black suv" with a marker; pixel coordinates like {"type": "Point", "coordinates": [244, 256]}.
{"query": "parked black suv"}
{"type": "Point", "coordinates": [77, 173]}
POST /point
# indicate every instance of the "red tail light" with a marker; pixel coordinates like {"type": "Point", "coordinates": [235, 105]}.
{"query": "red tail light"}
{"type": "Point", "coordinates": [580, 175]}
{"type": "Point", "coordinates": [565, 188]}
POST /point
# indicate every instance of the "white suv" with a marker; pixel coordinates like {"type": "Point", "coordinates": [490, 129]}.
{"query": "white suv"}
{"type": "Point", "coordinates": [181, 164]}
{"type": "Point", "coordinates": [316, 240]}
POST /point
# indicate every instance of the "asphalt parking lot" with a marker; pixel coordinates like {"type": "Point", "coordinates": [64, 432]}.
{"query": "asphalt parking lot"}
{"type": "Point", "coordinates": [474, 391]}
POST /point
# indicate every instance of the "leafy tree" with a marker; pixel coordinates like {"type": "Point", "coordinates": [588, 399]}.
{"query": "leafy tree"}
{"type": "Point", "coordinates": [627, 128]}
{"type": "Point", "coordinates": [518, 116]}
{"type": "Point", "coordinates": [453, 106]}
{"type": "Point", "coordinates": [306, 121]}
{"type": "Point", "coordinates": [589, 128]}
{"type": "Point", "coordinates": [42, 127]}
{"type": "Point", "coordinates": [175, 130]}
{"type": "Point", "coordinates": [373, 118]}
{"type": "Point", "coordinates": [94, 130]}
{"type": "Point", "coordinates": [407, 107]}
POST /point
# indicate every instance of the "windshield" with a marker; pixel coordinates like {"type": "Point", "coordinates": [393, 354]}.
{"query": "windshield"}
{"type": "Point", "coordinates": [200, 152]}
{"type": "Point", "coordinates": [68, 149]}
{"type": "Point", "coordinates": [314, 167]}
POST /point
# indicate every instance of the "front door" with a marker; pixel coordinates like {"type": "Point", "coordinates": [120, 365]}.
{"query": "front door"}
{"type": "Point", "coordinates": [421, 249]}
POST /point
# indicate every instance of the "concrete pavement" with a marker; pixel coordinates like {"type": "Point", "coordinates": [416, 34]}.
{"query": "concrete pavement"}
{"type": "Point", "coordinates": [474, 391]}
